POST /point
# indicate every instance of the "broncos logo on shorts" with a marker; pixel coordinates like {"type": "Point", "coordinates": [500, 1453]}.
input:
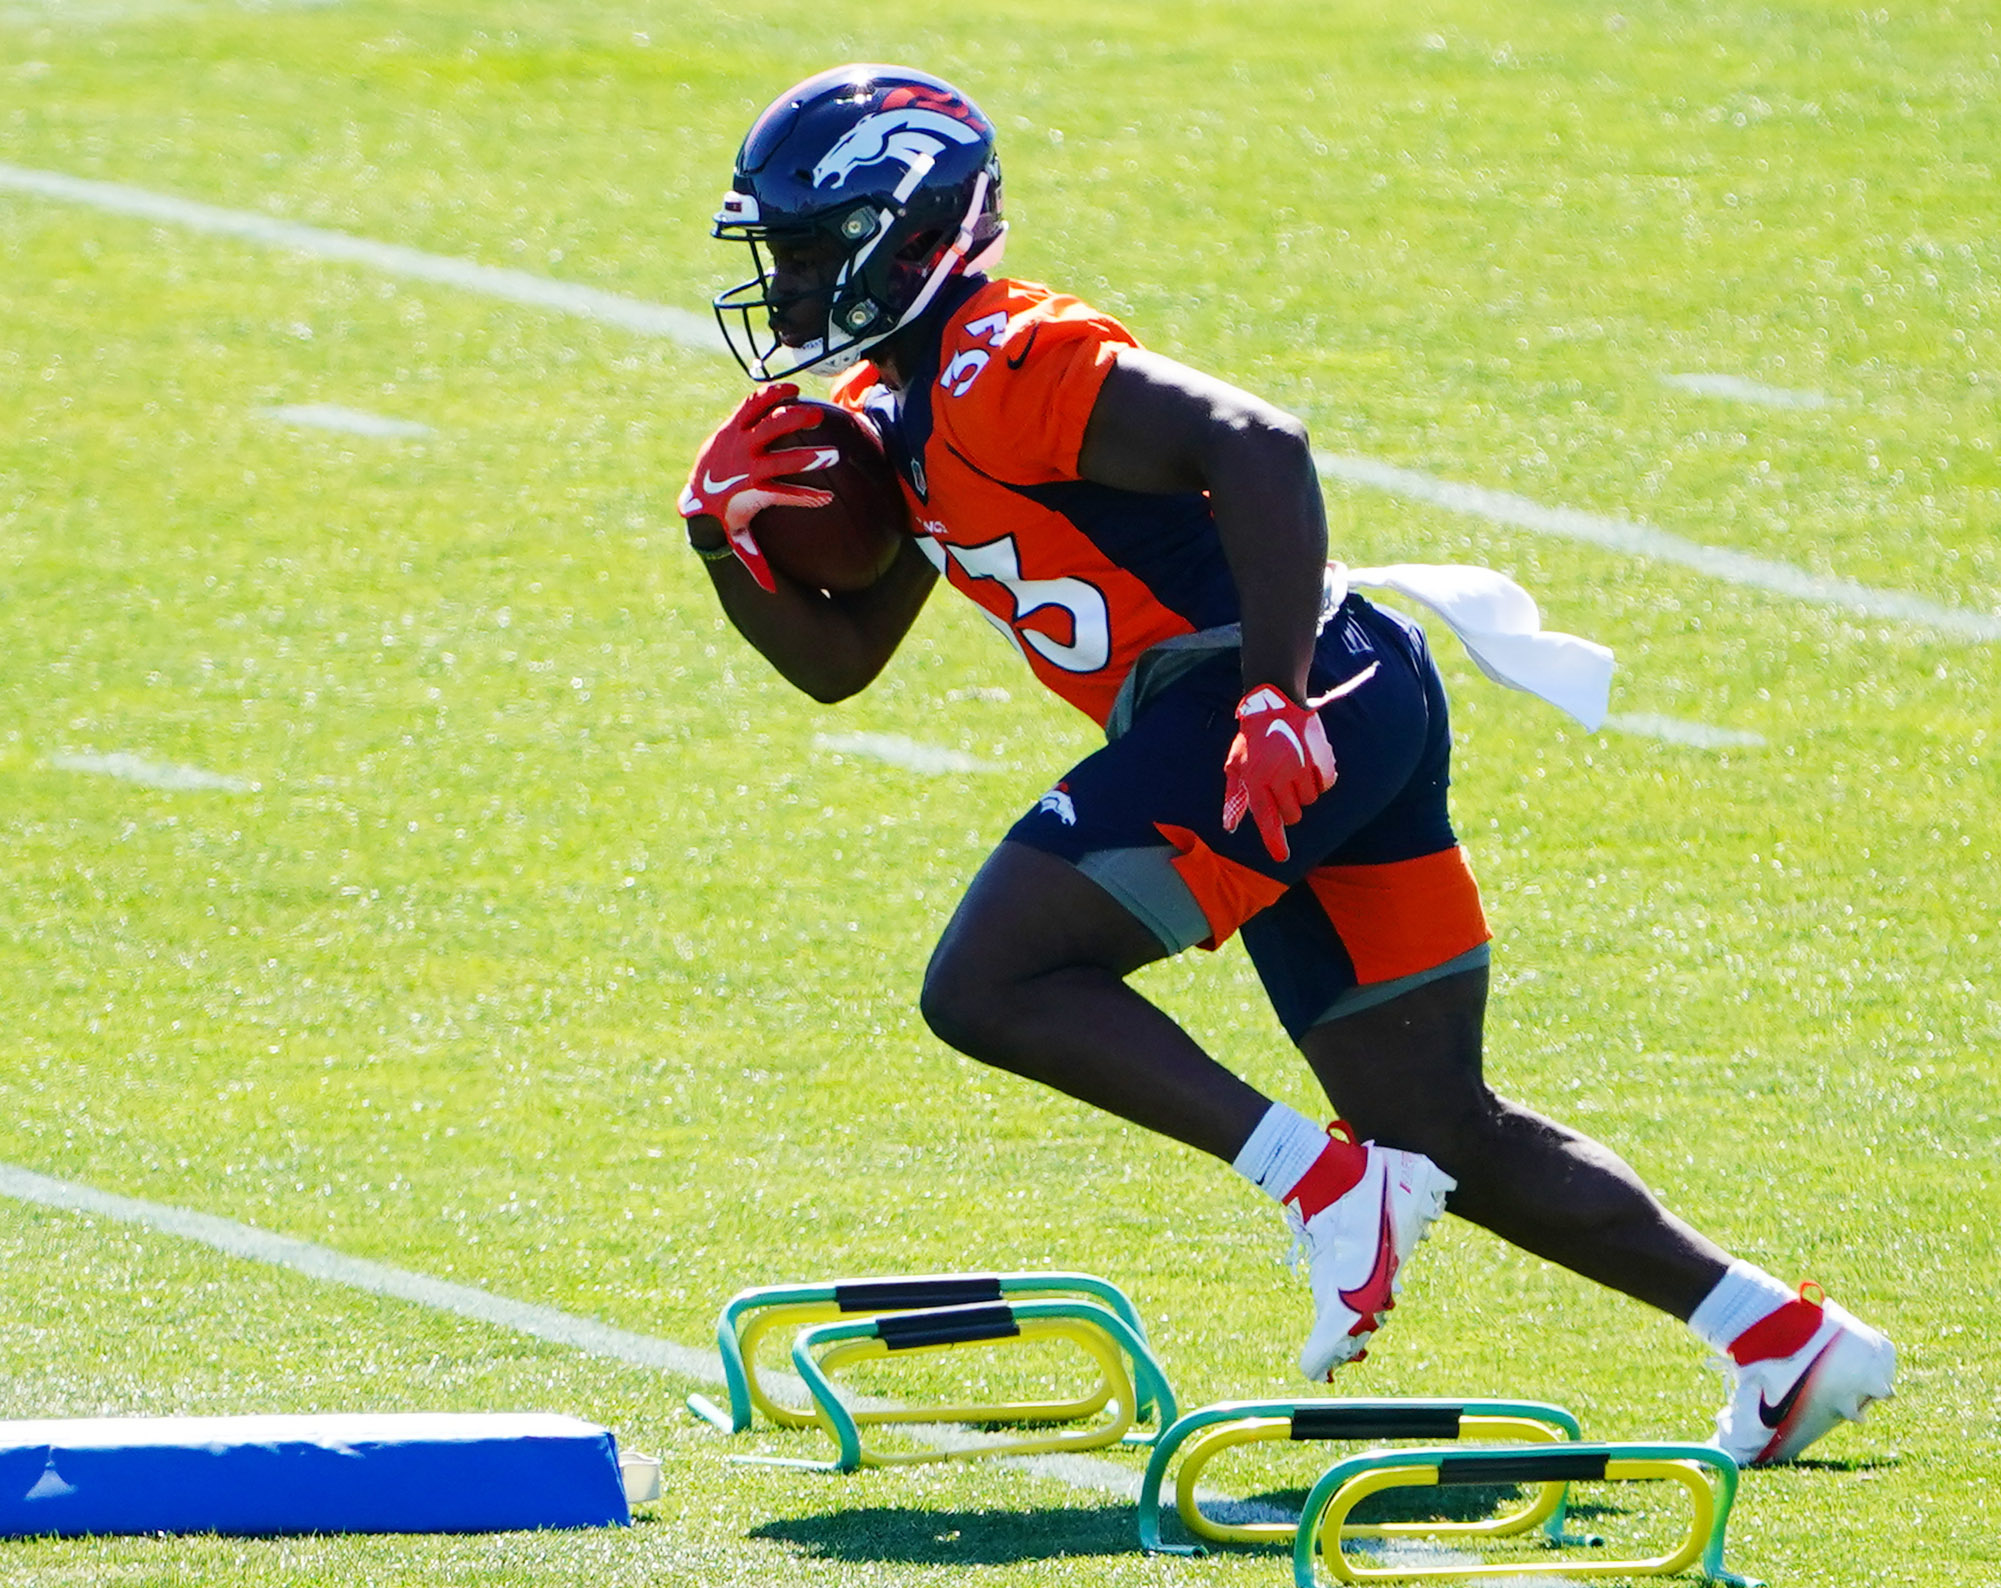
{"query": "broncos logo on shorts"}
{"type": "Point", "coordinates": [1058, 801]}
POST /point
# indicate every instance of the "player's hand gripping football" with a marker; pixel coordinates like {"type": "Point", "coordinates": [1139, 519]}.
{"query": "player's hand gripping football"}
{"type": "Point", "coordinates": [739, 470]}
{"type": "Point", "coordinates": [1280, 762]}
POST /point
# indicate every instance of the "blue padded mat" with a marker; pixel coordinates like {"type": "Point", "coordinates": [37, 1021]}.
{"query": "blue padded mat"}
{"type": "Point", "coordinates": [397, 1472]}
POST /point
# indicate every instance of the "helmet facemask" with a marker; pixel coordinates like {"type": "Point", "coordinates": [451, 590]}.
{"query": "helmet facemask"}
{"type": "Point", "coordinates": [890, 269]}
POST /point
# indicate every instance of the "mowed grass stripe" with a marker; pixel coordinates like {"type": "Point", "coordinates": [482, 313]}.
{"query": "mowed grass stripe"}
{"type": "Point", "coordinates": [696, 332]}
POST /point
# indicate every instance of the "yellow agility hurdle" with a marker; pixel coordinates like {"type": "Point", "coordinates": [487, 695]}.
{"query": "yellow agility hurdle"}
{"type": "Point", "coordinates": [1129, 1377]}
{"type": "Point", "coordinates": [1202, 1435]}
{"type": "Point", "coordinates": [1705, 1473]}
{"type": "Point", "coordinates": [753, 1315]}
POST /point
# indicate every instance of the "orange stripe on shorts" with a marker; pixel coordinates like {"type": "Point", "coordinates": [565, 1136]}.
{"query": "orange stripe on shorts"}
{"type": "Point", "coordinates": [1404, 916]}
{"type": "Point", "coordinates": [1229, 893]}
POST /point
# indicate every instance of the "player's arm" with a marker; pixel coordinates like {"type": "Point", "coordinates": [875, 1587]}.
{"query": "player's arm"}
{"type": "Point", "coordinates": [829, 646]}
{"type": "Point", "coordinates": [1159, 426]}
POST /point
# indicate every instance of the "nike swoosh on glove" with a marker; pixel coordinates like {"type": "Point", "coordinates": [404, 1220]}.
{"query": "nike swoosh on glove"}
{"type": "Point", "coordinates": [738, 470]}
{"type": "Point", "coordinates": [1280, 761]}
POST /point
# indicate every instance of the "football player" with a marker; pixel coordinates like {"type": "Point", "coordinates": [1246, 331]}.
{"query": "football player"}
{"type": "Point", "coordinates": [1153, 541]}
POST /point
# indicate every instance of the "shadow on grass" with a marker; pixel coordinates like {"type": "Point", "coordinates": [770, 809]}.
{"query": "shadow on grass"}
{"type": "Point", "coordinates": [1831, 1464]}
{"type": "Point", "coordinates": [910, 1536]}
{"type": "Point", "coordinates": [1471, 1502]}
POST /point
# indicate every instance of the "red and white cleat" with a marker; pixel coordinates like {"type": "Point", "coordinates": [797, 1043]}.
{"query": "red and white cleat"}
{"type": "Point", "coordinates": [1807, 1367]}
{"type": "Point", "coordinates": [1355, 1248]}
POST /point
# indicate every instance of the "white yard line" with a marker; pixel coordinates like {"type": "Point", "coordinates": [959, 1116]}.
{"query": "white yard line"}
{"type": "Point", "coordinates": [1678, 730]}
{"type": "Point", "coordinates": [1738, 389]}
{"type": "Point", "coordinates": [154, 774]}
{"type": "Point", "coordinates": [1643, 540]}
{"type": "Point", "coordinates": [696, 331]}
{"type": "Point", "coordinates": [898, 751]}
{"type": "Point", "coordinates": [393, 259]}
{"type": "Point", "coordinates": [354, 421]}
{"type": "Point", "coordinates": [588, 1335]}
{"type": "Point", "coordinates": [361, 1273]}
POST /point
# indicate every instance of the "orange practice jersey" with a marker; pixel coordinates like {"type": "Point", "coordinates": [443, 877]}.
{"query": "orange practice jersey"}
{"type": "Point", "coordinates": [1081, 577]}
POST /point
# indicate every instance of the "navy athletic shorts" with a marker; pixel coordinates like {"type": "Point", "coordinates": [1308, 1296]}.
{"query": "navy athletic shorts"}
{"type": "Point", "coordinates": [1377, 896]}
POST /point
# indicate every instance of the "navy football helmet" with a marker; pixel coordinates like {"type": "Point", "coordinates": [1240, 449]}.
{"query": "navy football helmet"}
{"type": "Point", "coordinates": [861, 192]}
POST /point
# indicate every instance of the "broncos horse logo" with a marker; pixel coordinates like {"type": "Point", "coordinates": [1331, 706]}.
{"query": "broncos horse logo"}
{"type": "Point", "coordinates": [910, 134]}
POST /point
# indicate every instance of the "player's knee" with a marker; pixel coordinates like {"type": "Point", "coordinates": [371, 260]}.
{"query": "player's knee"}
{"type": "Point", "coordinates": [1482, 1137]}
{"type": "Point", "coordinates": [958, 1002]}
{"type": "Point", "coordinates": [1458, 1127]}
{"type": "Point", "coordinates": [1472, 1124]}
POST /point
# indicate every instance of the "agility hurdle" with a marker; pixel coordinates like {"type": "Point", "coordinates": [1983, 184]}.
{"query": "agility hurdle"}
{"type": "Point", "coordinates": [1708, 1476]}
{"type": "Point", "coordinates": [1202, 1435]}
{"type": "Point", "coordinates": [1106, 1338]}
{"type": "Point", "coordinates": [753, 1314]}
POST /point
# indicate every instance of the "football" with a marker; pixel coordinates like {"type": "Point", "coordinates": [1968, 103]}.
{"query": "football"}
{"type": "Point", "coordinates": [850, 542]}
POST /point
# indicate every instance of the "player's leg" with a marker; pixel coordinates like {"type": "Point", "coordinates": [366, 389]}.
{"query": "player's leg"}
{"type": "Point", "coordinates": [1376, 964]}
{"type": "Point", "coordinates": [1126, 861]}
{"type": "Point", "coordinates": [1030, 977]}
{"type": "Point", "coordinates": [1408, 1072]}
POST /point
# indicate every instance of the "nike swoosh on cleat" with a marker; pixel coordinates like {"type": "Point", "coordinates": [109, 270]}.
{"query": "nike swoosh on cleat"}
{"type": "Point", "coordinates": [1373, 1295]}
{"type": "Point", "coordinates": [711, 484]}
{"type": "Point", "coordinates": [1774, 1416]}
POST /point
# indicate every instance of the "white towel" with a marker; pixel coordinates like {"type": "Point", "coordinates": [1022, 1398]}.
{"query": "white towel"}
{"type": "Point", "coordinates": [1497, 621]}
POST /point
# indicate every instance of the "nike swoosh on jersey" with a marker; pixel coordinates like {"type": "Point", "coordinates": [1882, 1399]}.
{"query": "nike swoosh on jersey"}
{"type": "Point", "coordinates": [1374, 1295]}
{"type": "Point", "coordinates": [1773, 1416]}
{"type": "Point", "coordinates": [711, 484]}
{"type": "Point", "coordinates": [1033, 331]}
{"type": "Point", "coordinates": [1285, 728]}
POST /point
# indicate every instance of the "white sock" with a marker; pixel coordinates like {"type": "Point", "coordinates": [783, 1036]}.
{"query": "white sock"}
{"type": "Point", "coordinates": [1280, 1151]}
{"type": "Point", "coordinates": [1744, 1296]}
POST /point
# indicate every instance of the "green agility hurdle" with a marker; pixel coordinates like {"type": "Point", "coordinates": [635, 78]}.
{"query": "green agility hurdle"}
{"type": "Point", "coordinates": [1705, 1473]}
{"type": "Point", "coordinates": [1106, 1338]}
{"type": "Point", "coordinates": [1203, 1434]}
{"type": "Point", "coordinates": [753, 1314]}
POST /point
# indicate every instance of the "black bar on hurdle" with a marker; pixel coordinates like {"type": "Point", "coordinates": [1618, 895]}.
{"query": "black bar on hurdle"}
{"type": "Point", "coordinates": [886, 1295]}
{"type": "Point", "coordinates": [1520, 1466]}
{"type": "Point", "coordinates": [1375, 1422]}
{"type": "Point", "coordinates": [891, 1295]}
{"type": "Point", "coordinates": [905, 1331]}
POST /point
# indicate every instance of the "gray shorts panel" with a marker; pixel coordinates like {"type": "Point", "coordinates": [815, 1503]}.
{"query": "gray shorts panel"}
{"type": "Point", "coordinates": [1146, 883]}
{"type": "Point", "coordinates": [1356, 999]}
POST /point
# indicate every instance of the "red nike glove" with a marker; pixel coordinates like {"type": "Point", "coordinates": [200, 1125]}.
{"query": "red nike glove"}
{"type": "Point", "coordinates": [736, 473]}
{"type": "Point", "coordinates": [1279, 763]}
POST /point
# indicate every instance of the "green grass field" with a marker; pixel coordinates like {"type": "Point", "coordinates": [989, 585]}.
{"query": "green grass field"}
{"type": "Point", "coordinates": [538, 946]}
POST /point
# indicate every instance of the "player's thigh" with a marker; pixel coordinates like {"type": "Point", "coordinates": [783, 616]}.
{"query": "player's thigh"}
{"type": "Point", "coordinates": [1026, 913]}
{"type": "Point", "coordinates": [1143, 817]}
